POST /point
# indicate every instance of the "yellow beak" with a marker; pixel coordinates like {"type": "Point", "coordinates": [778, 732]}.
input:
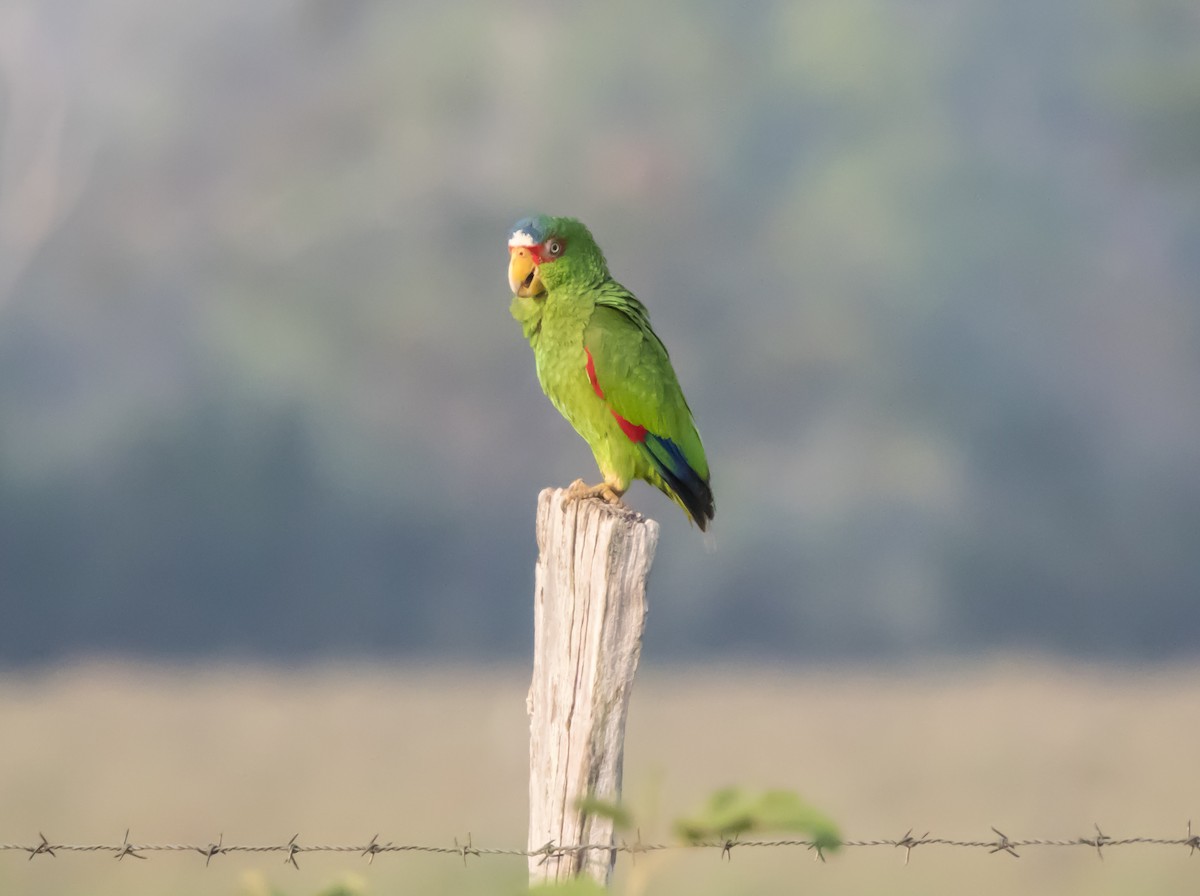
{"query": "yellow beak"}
{"type": "Point", "coordinates": [523, 273]}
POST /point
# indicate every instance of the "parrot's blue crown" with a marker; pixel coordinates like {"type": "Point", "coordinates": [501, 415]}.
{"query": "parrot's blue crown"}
{"type": "Point", "coordinates": [529, 231]}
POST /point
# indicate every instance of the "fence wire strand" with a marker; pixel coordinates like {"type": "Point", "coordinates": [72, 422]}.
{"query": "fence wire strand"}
{"type": "Point", "coordinates": [293, 848]}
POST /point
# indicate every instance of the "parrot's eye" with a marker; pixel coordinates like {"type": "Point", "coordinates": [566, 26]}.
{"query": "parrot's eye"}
{"type": "Point", "coordinates": [554, 248]}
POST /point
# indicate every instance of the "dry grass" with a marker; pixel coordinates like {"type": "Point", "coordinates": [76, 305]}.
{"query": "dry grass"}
{"type": "Point", "coordinates": [421, 755]}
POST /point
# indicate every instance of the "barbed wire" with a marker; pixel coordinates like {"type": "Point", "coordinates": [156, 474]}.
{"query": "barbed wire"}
{"type": "Point", "coordinates": [293, 848]}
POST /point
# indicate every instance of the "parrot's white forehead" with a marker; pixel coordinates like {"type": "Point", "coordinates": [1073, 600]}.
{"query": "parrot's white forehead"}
{"type": "Point", "coordinates": [521, 238]}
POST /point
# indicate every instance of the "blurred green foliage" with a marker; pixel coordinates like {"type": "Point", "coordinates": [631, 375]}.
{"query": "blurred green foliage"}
{"type": "Point", "coordinates": [579, 886]}
{"type": "Point", "coordinates": [928, 272]}
{"type": "Point", "coordinates": [255, 883]}
{"type": "Point", "coordinates": [617, 813]}
{"type": "Point", "coordinates": [733, 812]}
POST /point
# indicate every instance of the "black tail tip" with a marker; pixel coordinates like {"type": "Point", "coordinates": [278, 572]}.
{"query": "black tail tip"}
{"type": "Point", "coordinates": [700, 506]}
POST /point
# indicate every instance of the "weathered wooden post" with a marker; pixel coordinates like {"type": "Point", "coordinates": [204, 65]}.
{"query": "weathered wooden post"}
{"type": "Point", "coordinates": [589, 615]}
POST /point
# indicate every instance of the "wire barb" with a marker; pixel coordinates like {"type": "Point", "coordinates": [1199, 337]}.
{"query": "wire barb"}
{"type": "Point", "coordinates": [467, 849]}
{"type": "Point", "coordinates": [373, 849]}
{"type": "Point", "coordinates": [908, 842]}
{"type": "Point", "coordinates": [632, 849]}
{"type": "Point", "coordinates": [1003, 844]}
{"type": "Point", "coordinates": [547, 852]}
{"type": "Point", "coordinates": [292, 847]}
{"type": "Point", "coordinates": [126, 849]}
{"type": "Point", "coordinates": [44, 848]}
{"type": "Point", "coordinates": [213, 849]}
{"type": "Point", "coordinates": [1099, 841]}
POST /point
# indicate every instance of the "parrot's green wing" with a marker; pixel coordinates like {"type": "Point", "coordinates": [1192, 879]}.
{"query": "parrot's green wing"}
{"type": "Point", "coordinates": [630, 369]}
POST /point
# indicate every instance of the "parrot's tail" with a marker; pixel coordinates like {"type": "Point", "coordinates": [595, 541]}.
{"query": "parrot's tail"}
{"type": "Point", "coordinates": [683, 484]}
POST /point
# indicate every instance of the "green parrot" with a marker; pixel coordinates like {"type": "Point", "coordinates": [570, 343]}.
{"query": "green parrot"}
{"type": "Point", "coordinates": [603, 367]}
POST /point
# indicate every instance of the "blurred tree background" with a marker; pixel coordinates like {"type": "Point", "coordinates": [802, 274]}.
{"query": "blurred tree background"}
{"type": "Point", "coordinates": [929, 272]}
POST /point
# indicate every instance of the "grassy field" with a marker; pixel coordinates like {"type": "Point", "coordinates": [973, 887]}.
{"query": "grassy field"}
{"type": "Point", "coordinates": [424, 755]}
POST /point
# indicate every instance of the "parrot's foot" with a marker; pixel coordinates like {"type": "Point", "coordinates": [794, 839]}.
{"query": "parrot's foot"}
{"type": "Point", "coordinates": [578, 490]}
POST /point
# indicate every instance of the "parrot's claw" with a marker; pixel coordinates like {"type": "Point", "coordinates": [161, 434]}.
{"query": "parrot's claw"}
{"type": "Point", "coordinates": [578, 490]}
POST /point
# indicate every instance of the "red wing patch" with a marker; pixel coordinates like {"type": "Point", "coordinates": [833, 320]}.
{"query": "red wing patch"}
{"type": "Point", "coordinates": [591, 373]}
{"type": "Point", "coordinates": [636, 433]}
{"type": "Point", "coordinates": [632, 430]}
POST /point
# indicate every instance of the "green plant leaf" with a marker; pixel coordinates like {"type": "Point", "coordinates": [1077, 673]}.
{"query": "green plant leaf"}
{"type": "Point", "coordinates": [621, 817]}
{"type": "Point", "coordinates": [733, 812]}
